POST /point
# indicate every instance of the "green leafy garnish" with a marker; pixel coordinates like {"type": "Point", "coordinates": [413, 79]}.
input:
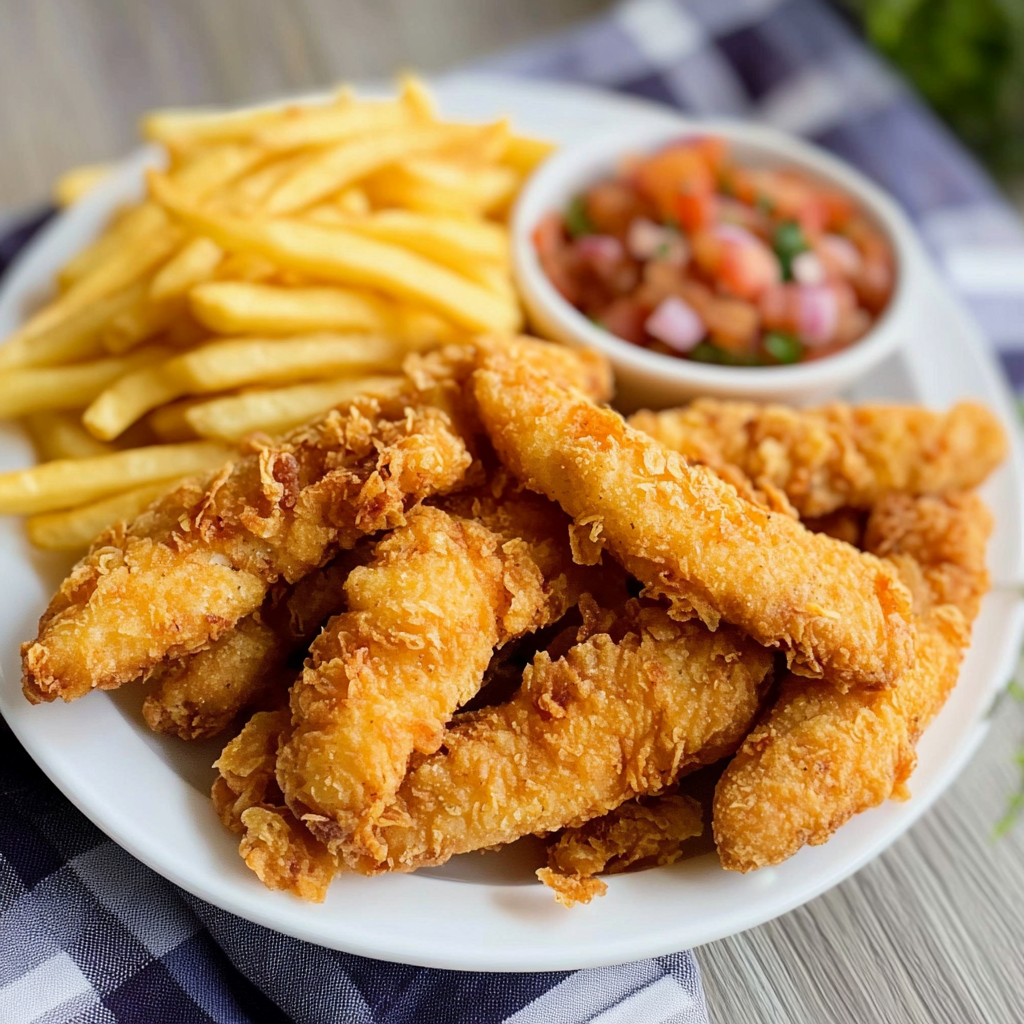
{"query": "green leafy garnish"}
{"type": "Point", "coordinates": [783, 348]}
{"type": "Point", "coordinates": [577, 222]}
{"type": "Point", "coordinates": [765, 204]}
{"type": "Point", "coordinates": [788, 242]}
{"type": "Point", "coordinates": [706, 352]}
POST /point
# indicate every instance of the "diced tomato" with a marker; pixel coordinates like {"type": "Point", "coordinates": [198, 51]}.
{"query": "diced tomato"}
{"type": "Point", "coordinates": [733, 324]}
{"type": "Point", "coordinates": [737, 261]}
{"type": "Point", "coordinates": [668, 174]}
{"type": "Point", "coordinates": [696, 211]}
{"type": "Point", "coordinates": [555, 256]}
{"type": "Point", "coordinates": [625, 318]}
{"type": "Point", "coordinates": [611, 205]}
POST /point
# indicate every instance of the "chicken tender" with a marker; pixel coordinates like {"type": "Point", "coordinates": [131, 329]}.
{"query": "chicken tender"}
{"type": "Point", "coordinates": [838, 455]}
{"type": "Point", "coordinates": [635, 834]}
{"type": "Point", "coordinates": [384, 678]}
{"type": "Point", "coordinates": [689, 536]}
{"type": "Point", "coordinates": [820, 757]}
{"type": "Point", "coordinates": [197, 697]}
{"type": "Point", "coordinates": [187, 569]}
{"type": "Point", "coordinates": [277, 847]}
{"type": "Point", "coordinates": [609, 721]}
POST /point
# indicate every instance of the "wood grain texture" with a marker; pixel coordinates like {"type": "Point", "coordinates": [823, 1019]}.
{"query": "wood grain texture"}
{"type": "Point", "coordinates": [930, 933]}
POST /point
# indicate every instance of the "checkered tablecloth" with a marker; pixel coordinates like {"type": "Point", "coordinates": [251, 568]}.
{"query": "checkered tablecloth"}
{"type": "Point", "coordinates": [87, 934]}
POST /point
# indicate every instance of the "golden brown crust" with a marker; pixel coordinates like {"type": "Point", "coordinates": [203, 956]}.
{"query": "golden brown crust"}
{"type": "Point", "coordinates": [186, 570]}
{"type": "Point", "coordinates": [636, 834]}
{"type": "Point", "coordinates": [587, 732]}
{"type": "Point", "coordinates": [690, 537]}
{"type": "Point", "coordinates": [837, 455]}
{"type": "Point", "coordinates": [820, 757]}
{"type": "Point", "coordinates": [385, 677]}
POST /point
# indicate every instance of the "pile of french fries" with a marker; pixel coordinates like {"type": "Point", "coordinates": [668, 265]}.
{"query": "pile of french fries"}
{"type": "Point", "coordinates": [286, 260]}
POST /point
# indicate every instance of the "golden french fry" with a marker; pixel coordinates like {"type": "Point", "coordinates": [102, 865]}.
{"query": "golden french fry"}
{"type": "Point", "coordinates": [523, 154]}
{"type": "Point", "coordinates": [168, 422]}
{"type": "Point", "coordinates": [244, 266]}
{"type": "Point", "coordinates": [66, 483]}
{"type": "Point", "coordinates": [215, 167]}
{"type": "Point", "coordinates": [183, 128]}
{"type": "Point", "coordinates": [142, 320]}
{"type": "Point", "coordinates": [337, 166]}
{"type": "Point", "coordinates": [37, 389]}
{"type": "Point", "coordinates": [443, 187]}
{"type": "Point", "coordinates": [351, 259]}
{"type": "Point", "coordinates": [230, 307]}
{"type": "Point", "coordinates": [328, 125]}
{"type": "Point", "coordinates": [353, 201]}
{"type": "Point", "coordinates": [134, 224]}
{"type": "Point", "coordinates": [194, 263]}
{"type": "Point", "coordinates": [278, 409]}
{"type": "Point", "coordinates": [60, 435]}
{"type": "Point", "coordinates": [454, 241]}
{"type": "Point", "coordinates": [130, 262]}
{"type": "Point", "coordinates": [75, 529]}
{"type": "Point", "coordinates": [74, 184]}
{"type": "Point", "coordinates": [224, 365]}
{"type": "Point", "coordinates": [77, 338]}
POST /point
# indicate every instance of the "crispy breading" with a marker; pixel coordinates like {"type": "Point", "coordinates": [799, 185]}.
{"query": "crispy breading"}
{"type": "Point", "coordinates": [187, 569]}
{"type": "Point", "coordinates": [199, 696]}
{"type": "Point", "coordinates": [277, 847]}
{"type": "Point", "coordinates": [689, 536]}
{"type": "Point", "coordinates": [636, 834]}
{"type": "Point", "coordinates": [424, 617]}
{"type": "Point", "coordinates": [837, 455]}
{"type": "Point", "coordinates": [610, 720]}
{"type": "Point", "coordinates": [820, 757]}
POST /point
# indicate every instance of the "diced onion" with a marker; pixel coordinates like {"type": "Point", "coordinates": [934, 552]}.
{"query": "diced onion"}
{"type": "Point", "coordinates": [603, 252]}
{"type": "Point", "coordinates": [677, 324]}
{"type": "Point", "coordinates": [818, 314]}
{"type": "Point", "coordinates": [808, 269]}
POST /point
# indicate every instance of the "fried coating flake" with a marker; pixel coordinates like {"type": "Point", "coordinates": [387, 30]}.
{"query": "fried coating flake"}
{"type": "Point", "coordinates": [689, 536]}
{"type": "Point", "coordinates": [199, 696]}
{"type": "Point", "coordinates": [635, 834]}
{"type": "Point", "coordinates": [837, 455]}
{"type": "Point", "coordinates": [820, 757]}
{"type": "Point", "coordinates": [273, 844]}
{"type": "Point", "coordinates": [611, 720]}
{"type": "Point", "coordinates": [385, 677]}
{"type": "Point", "coordinates": [187, 569]}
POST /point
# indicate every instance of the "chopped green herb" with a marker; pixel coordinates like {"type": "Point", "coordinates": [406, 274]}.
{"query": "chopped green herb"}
{"type": "Point", "coordinates": [705, 352]}
{"type": "Point", "coordinates": [576, 220]}
{"type": "Point", "coordinates": [726, 188]}
{"type": "Point", "coordinates": [672, 224]}
{"type": "Point", "coordinates": [782, 347]}
{"type": "Point", "coordinates": [788, 243]}
{"type": "Point", "coordinates": [765, 204]}
{"type": "Point", "coordinates": [662, 251]}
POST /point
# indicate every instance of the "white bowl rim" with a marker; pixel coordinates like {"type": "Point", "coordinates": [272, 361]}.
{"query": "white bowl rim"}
{"type": "Point", "coordinates": [551, 184]}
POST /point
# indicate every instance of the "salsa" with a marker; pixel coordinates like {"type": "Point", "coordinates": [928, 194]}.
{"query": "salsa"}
{"type": "Point", "coordinates": [688, 253]}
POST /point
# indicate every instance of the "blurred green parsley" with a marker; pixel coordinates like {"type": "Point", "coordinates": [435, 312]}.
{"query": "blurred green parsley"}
{"type": "Point", "coordinates": [966, 58]}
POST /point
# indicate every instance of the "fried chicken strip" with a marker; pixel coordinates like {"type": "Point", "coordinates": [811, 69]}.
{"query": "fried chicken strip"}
{"type": "Point", "coordinates": [820, 757]}
{"type": "Point", "coordinates": [187, 569]}
{"type": "Point", "coordinates": [199, 696]}
{"type": "Point", "coordinates": [424, 617]}
{"type": "Point", "coordinates": [689, 536]}
{"type": "Point", "coordinates": [611, 720]}
{"type": "Point", "coordinates": [837, 455]}
{"type": "Point", "coordinates": [277, 847]}
{"type": "Point", "coordinates": [647, 834]}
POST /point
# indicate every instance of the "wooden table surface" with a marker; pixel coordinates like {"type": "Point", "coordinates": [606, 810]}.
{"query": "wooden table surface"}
{"type": "Point", "coordinates": [931, 932]}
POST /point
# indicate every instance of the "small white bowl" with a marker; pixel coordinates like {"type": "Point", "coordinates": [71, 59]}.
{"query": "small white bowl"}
{"type": "Point", "coordinates": [651, 379]}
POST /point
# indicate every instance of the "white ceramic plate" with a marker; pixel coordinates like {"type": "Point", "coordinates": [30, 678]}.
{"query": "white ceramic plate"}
{"type": "Point", "coordinates": [487, 912]}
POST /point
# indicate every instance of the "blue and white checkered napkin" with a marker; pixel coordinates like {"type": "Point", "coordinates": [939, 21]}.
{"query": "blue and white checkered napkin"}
{"type": "Point", "coordinates": [87, 934]}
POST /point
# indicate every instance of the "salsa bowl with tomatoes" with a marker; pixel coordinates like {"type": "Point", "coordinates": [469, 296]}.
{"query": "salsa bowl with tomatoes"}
{"type": "Point", "coordinates": [719, 259]}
